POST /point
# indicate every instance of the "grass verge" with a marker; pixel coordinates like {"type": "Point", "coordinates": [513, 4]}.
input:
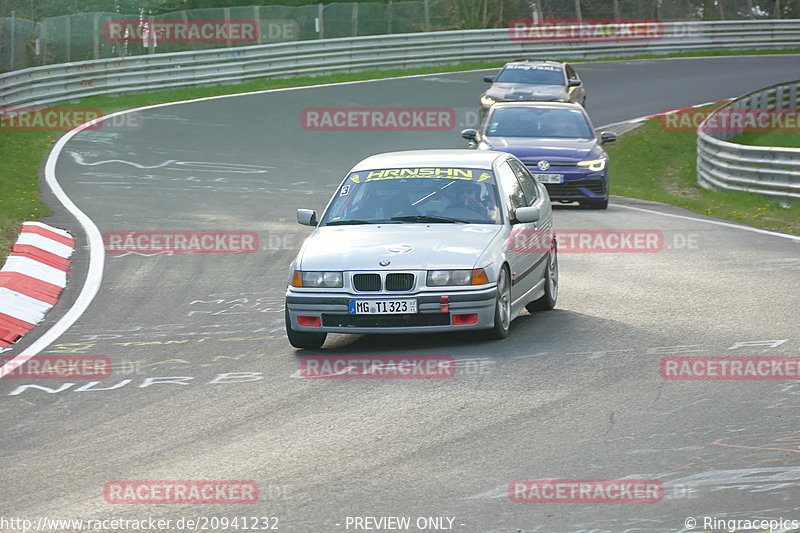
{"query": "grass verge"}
{"type": "Point", "coordinates": [653, 164]}
{"type": "Point", "coordinates": [22, 153]}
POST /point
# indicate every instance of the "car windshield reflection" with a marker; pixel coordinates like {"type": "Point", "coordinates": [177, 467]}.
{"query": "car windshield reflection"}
{"type": "Point", "coordinates": [416, 195]}
{"type": "Point", "coordinates": [538, 122]}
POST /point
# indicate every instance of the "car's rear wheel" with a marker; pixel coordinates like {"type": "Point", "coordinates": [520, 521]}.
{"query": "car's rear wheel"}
{"type": "Point", "coordinates": [308, 340]}
{"type": "Point", "coordinates": [502, 307]}
{"type": "Point", "coordinates": [548, 300]}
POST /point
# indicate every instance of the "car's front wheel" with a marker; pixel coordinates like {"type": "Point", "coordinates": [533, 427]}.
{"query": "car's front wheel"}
{"type": "Point", "coordinates": [308, 340]}
{"type": "Point", "coordinates": [548, 300]}
{"type": "Point", "coordinates": [502, 307]}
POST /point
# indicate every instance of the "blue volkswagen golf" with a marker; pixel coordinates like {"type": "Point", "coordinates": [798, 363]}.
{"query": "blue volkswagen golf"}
{"type": "Point", "coordinates": [557, 143]}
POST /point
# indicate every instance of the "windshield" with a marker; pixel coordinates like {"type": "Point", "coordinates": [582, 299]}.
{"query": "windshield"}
{"type": "Point", "coordinates": [531, 74]}
{"type": "Point", "coordinates": [408, 195]}
{"type": "Point", "coordinates": [538, 122]}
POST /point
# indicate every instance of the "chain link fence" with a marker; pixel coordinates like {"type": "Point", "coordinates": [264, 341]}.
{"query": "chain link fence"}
{"type": "Point", "coordinates": [86, 36]}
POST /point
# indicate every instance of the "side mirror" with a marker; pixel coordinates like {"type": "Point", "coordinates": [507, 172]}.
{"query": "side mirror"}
{"type": "Point", "coordinates": [470, 134]}
{"type": "Point", "coordinates": [488, 79]}
{"type": "Point", "coordinates": [575, 83]}
{"type": "Point", "coordinates": [607, 137]}
{"type": "Point", "coordinates": [307, 217]}
{"type": "Point", "coordinates": [527, 214]}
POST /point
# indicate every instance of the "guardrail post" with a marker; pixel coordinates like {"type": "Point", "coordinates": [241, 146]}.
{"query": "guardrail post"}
{"type": "Point", "coordinates": [152, 46]}
{"type": "Point", "coordinates": [354, 21]}
{"type": "Point", "coordinates": [96, 36]}
{"type": "Point", "coordinates": [227, 15]}
{"type": "Point", "coordinates": [389, 16]}
{"type": "Point", "coordinates": [68, 36]}
{"type": "Point", "coordinates": [427, 26]}
{"type": "Point", "coordinates": [13, 28]}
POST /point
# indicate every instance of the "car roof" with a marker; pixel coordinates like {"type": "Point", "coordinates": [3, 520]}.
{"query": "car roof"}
{"type": "Point", "coordinates": [549, 62]}
{"type": "Point", "coordinates": [463, 158]}
{"type": "Point", "coordinates": [535, 103]}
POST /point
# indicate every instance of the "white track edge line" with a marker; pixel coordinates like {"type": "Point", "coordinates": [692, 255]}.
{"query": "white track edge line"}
{"type": "Point", "coordinates": [96, 260]}
{"type": "Point", "coordinates": [715, 222]}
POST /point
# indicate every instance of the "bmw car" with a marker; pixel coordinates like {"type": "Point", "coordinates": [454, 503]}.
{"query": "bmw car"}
{"type": "Point", "coordinates": [558, 144]}
{"type": "Point", "coordinates": [424, 241]}
{"type": "Point", "coordinates": [534, 80]}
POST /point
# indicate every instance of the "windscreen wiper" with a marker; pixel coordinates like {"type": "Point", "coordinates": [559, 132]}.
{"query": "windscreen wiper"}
{"type": "Point", "coordinates": [356, 221]}
{"type": "Point", "coordinates": [430, 218]}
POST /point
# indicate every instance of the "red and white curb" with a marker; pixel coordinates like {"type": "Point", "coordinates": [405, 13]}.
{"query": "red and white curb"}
{"type": "Point", "coordinates": [662, 114]}
{"type": "Point", "coordinates": [33, 276]}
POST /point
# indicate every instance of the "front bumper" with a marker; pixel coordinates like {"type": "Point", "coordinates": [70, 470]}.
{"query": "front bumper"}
{"type": "Point", "coordinates": [578, 184]}
{"type": "Point", "coordinates": [434, 313]}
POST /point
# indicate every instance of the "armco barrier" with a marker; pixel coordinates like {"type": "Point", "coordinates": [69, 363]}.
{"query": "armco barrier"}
{"type": "Point", "coordinates": [771, 171]}
{"type": "Point", "coordinates": [71, 81]}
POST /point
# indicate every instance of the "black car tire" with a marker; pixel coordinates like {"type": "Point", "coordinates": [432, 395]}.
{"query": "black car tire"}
{"type": "Point", "coordinates": [548, 300]}
{"type": "Point", "coordinates": [303, 339]}
{"type": "Point", "coordinates": [502, 307]}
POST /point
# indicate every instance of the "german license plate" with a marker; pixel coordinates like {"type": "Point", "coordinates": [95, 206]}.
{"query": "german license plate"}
{"type": "Point", "coordinates": [549, 178]}
{"type": "Point", "coordinates": [402, 306]}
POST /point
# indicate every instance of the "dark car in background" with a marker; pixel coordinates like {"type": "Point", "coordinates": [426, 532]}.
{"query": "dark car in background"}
{"type": "Point", "coordinates": [558, 144]}
{"type": "Point", "coordinates": [534, 80]}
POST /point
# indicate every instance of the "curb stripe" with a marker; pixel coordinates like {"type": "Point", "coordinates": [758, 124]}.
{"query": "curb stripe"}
{"type": "Point", "coordinates": [31, 267]}
{"type": "Point", "coordinates": [48, 245]}
{"type": "Point", "coordinates": [43, 256]}
{"type": "Point", "coordinates": [11, 329]}
{"type": "Point", "coordinates": [55, 230]}
{"type": "Point", "coordinates": [52, 235]}
{"type": "Point", "coordinates": [35, 288]}
{"type": "Point", "coordinates": [22, 307]}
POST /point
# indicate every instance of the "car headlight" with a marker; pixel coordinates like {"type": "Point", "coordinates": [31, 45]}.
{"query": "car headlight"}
{"type": "Point", "coordinates": [595, 165]}
{"type": "Point", "coordinates": [442, 278]}
{"type": "Point", "coordinates": [487, 100]}
{"type": "Point", "coordinates": [316, 279]}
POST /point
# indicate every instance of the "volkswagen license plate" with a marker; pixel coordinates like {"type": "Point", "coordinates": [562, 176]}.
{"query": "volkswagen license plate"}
{"type": "Point", "coordinates": [549, 178]}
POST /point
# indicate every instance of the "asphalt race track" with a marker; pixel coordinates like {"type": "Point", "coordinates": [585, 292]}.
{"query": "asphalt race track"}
{"type": "Point", "coordinates": [574, 393]}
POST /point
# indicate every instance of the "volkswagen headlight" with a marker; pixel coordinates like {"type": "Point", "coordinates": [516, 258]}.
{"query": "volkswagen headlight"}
{"type": "Point", "coordinates": [595, 165]}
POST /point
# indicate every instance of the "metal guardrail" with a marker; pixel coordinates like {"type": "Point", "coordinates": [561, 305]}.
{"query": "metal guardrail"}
{"type": "Point", "coordinates": [71, 81]}
{"type": "Point", "coordinates": [772, 171]}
